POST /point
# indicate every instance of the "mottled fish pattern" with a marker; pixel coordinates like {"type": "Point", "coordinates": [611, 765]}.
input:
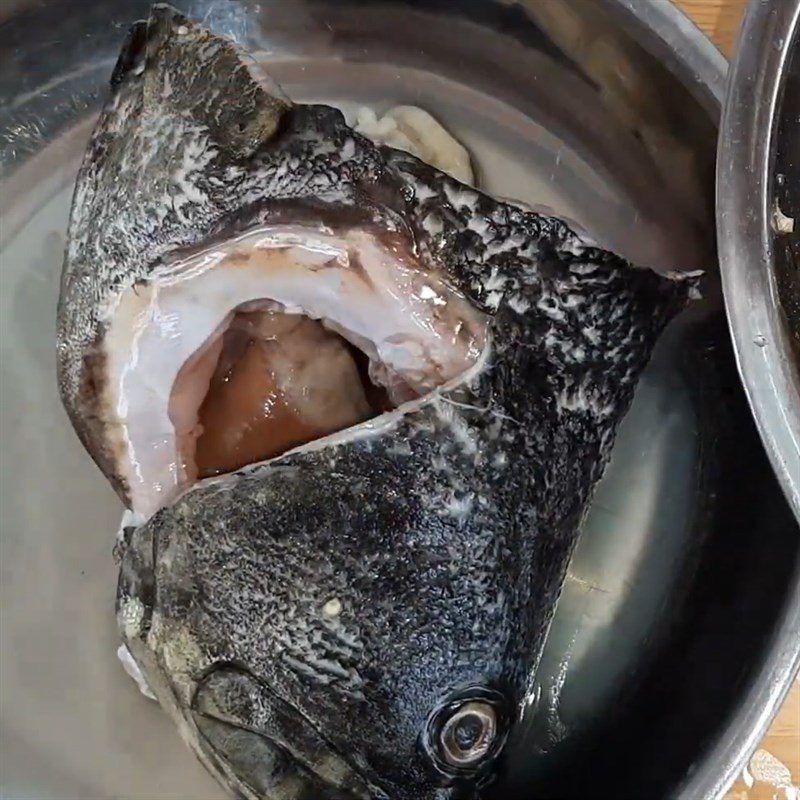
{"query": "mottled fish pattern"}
{"type": "Point", "coordinates": [441, 540]}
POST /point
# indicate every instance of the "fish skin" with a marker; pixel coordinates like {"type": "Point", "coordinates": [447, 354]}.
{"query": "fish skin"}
{"type": "Point", "coordinates": [445, 535]}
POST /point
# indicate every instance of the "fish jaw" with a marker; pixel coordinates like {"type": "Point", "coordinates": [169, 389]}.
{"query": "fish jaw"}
{"type": "Point", "coordinates": [366, 580]}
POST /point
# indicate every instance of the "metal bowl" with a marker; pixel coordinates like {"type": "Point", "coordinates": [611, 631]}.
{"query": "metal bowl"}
{"type": "Point", "coordinates": [758, 186]}
{"type": "Point", "coordinates": [674, 611]}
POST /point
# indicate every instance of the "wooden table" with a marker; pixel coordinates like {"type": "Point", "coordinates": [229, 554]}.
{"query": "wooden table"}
{"type": "Point", "coordinates": [718, 18]}
{"type": "Point", "coordinates": [774, 771]}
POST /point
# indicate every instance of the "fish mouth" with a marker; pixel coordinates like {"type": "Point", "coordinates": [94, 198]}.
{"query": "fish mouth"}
{"type": "Point", "coordinates": [242, 351]}
{"type": "Point", "coordinates": [264, 749]}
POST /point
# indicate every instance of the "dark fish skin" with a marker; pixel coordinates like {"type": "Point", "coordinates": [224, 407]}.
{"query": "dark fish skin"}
{"type": "Point", "coordinates": [443, 536]}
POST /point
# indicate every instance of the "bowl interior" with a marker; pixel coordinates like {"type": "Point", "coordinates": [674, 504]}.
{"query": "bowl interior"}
{"type": "Point", "coordinates": [686, 552]}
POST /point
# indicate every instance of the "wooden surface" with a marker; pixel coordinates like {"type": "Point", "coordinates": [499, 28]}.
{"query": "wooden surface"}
{"type": "Point", "coordinates": [774, 770]}
{"type": "Point", "coordinates": [718, 18]}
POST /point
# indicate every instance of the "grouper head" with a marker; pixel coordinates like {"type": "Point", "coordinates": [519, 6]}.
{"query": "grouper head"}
{"type": "Point", "coordinates": [356, 410]}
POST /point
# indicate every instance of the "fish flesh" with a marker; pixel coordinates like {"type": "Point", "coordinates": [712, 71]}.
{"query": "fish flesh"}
{"type": "Point", "coordinates": [356, 410]}
{"type": "Point", "coordinates": [415, 130]}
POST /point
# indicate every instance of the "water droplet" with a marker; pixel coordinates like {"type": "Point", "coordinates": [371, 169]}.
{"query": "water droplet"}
{"type": "Point", "coordinates": [760, 340]}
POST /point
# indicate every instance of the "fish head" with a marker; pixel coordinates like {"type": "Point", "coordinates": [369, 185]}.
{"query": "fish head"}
{"type": "Point", "coordinates": [314, 640]}
{"type": "Point", "coordinates": [350, 605]}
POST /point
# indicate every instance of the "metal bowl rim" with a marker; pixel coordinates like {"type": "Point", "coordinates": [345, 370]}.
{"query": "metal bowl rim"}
{"type": "Point", "coordinates": [744, 239]}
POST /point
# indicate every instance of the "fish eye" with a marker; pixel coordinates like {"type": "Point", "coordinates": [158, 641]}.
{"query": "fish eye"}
{"type": "Point", "coordinates": [467, 736]}
{"type": "Point", "coordinates": [465, 733]}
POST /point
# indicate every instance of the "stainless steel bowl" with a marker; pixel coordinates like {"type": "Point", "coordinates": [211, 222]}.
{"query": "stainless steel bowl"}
{"type": "Point", "coordinates": [758, 196]}
{"type": "Point", "coordinates": [659, 670]}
